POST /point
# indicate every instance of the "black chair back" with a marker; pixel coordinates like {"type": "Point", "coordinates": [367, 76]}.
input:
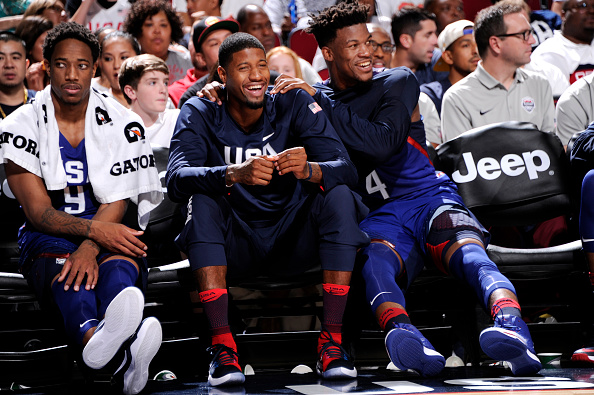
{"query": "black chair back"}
{"type": "Point", "coordinates": [509, 173]}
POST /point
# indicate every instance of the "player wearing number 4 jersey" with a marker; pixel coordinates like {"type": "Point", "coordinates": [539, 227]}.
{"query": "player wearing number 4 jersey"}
{"type": "Point", "coordinates": [60, 153]}
{"type": "Point", "coordinates": [416, 212]}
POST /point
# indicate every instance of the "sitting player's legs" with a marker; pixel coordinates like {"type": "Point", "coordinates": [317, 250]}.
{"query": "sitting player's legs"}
{"type": "Point", "coordinates": [336, 214]}
{"type": "Point", "coordinates": [455, 241]}
{"type": "Point", "coordinates": [384, 262]}
{"type": "Point", "coordinates": [206, 238]}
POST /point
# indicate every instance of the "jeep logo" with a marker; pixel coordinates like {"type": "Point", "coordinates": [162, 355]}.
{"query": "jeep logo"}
{"type": "Point", "coordinates": [511, 164]}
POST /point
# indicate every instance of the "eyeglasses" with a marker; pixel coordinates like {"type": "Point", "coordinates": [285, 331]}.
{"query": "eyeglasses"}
{"type": "Point", "coordinates": [386, 46]}
{"type": "Point", "coordinates": [582, 6]}
{"type": "Point", "coordinates": [524, 36]}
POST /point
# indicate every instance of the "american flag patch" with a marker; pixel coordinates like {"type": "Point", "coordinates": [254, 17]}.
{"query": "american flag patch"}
{"type": "Point", "coordinates": [315, 107]}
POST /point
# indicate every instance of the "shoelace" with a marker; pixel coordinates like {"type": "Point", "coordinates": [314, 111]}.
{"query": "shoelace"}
{"type": "Point", "coordinates": [223, 354]}
{"type": "Point", "coordinates": [332, 349]}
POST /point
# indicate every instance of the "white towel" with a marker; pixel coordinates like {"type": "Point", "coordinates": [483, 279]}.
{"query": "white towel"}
{"type": "Point", "coordinates": [120, 159]}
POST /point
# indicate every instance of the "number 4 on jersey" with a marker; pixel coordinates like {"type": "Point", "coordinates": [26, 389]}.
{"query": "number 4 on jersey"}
{"type": "Point", "coordinates": [373, 184]}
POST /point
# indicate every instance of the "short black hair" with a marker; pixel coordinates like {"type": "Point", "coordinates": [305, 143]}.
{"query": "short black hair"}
{"type": "Point", "coordinates": [235, 43]}
{"type": "Point", "coordinates": [325, 25]}
{"type": "Point", "coordinates": [489, 22]}
{"type": "Point", "coordinates": [141, 10]}
{"type": "Point", "coordinates": [68, 30]}
{"type": "Point", "coordinates": [6, 36]}
{"type": "Point", "coordinates": [408, 21]}
{"type": "Point", "coordinates": [126, 36]}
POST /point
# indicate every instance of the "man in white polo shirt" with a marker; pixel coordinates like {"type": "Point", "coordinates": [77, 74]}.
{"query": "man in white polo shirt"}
{"type": "Point", "coordinates": [499, 90]}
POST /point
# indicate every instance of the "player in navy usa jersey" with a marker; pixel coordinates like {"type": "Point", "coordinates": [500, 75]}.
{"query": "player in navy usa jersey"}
{"type": "Point", "coordinates": [416, 212]}
{"type": "Point", "coordinates": [75, 253]}
{"type": "Point", "coordinates": [252, 170]}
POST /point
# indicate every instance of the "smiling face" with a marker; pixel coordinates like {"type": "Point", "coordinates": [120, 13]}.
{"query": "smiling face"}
{"type": "Point", "coordinates": [71, 69]}
{"type": "Point", "coordinates": [246, 78]}
{"type": "Point", "coordinates": [114, 52]}
{"type": "Point", "coordinates": [381, 59]}
{"type": "Point", "coordinates": [156, 35]}
{"type": "Point", "coordinates": [350, 54]}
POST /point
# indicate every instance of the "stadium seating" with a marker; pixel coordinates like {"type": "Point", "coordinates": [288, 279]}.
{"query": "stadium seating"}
{"type": "Point", "coordinates": [511, 174]}
{"type": "Point", "coordinates": [304, 44]}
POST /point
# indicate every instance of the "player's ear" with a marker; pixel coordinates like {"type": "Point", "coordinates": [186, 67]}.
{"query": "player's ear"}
{"type": "Point", "coordinates": [130, 92]}
{"type": "Point", "coordinates": [222, 74]}
{"type": "Point", "coordinates": [46, 66]}
{"type": "Point", "coordinates": [327, 54]}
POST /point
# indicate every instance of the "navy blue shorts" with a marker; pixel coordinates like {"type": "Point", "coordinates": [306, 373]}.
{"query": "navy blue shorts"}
{"type": "Point", "coordinates": [406, 223]}
{"type": "Point", "coordinates": [214, 235]}
{"type": "Point", "coordinates": [44, 269]}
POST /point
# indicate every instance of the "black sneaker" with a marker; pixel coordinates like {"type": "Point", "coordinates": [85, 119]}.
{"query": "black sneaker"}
{"type": "Point", "coordinates": [224, 367]}
{"type": "Point", "coordinates": [333, 361]}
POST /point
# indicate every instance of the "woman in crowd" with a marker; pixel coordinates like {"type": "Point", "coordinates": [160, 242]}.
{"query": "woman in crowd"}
{"type": "Point", "coordinates": [157, 28]}
{"type": "Point", "coordinates": [115, 48]}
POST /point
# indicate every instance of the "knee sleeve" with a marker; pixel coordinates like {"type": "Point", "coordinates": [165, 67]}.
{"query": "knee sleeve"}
{"type": "Point", "coordinates": [447, 228]}
{"type": "Point", "coordinates": [587, 213]}
{"type": "Point", "coordinates": [114, 275]}
{"type": "Point", "coordinates": [471, 264]}
{"type": "Point", "coordinates": [380, 270]}
{"type": "Point", "coordinates": [78, 308]}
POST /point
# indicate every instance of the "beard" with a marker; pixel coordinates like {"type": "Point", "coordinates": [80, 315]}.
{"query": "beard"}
{"type": "Point", "coordinates": [254, 105]}
{"type": "Point", "coordinates": [9, 85]}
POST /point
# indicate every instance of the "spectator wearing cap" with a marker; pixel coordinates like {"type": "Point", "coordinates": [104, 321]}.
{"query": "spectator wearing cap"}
{"type": "Point", "coordinates": [207, 36]}
{"type": "Point", "coordinates": [499, 89]}
{"type": "Point", "coordinates": [459, 57]}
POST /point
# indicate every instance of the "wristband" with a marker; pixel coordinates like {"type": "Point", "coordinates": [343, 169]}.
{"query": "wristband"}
{"type": "Point", "coordinates": [310, 172]}
{"type": "Point", "coordinates": [591, 276]}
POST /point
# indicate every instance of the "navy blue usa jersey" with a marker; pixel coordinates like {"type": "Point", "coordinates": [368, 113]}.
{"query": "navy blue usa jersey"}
{"type": "Point", "coordinates": [207, 140]}
{"type": "Point", "coordinates": [388, 150]}
{"type": "Point", "coordinates": [76, 198]}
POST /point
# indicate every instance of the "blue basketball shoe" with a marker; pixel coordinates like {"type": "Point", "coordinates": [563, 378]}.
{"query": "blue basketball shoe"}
{"type": "Point", "coordinates": [409, 349]}
{"type": "Point", "coordinates": [509, 340]}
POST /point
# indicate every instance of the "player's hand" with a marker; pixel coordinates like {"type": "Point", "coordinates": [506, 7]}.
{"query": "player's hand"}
{"type": "Point", "coordinates": [256, 170]}
{"type": "Point", "coordinates": [286, 26]}
{"type": "Point", "coordinates": [35, 76]}
{"type": "Point", "coordinates": [81, 263]}
{"type": "Point", "coordinates": [285, 83]}
{"type": "Point", "coordinates": [118, 238]}
{"type": "Point", "coordinates": [213, 92]}
{"type": "Point", "coordinates": [293, 160]}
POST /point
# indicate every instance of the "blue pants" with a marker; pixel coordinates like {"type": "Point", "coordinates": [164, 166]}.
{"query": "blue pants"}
{"type": "Point", "coordinates": [322, 228]}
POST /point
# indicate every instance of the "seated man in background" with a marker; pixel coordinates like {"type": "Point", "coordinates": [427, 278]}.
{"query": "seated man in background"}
{"type": "Point", "coordinates": [144, 80]}
{"type": "Point", "coordinates": [415, 35]}
{"type": "Point", "coordinates": [207, 36]}
{"type": "Point", "coordinates": [13, 67]}
{"type": "Point", "coordinates": [571, 49]}
{"type": "Point", "coordinates": [499, 89]}
{"type": "Point", "coordinates": [459, 57]}
{"type": "Point", "coordinates": [251, 172]}
{"type": "Point", "coordinates": [575, 109]}
{"type": "Point", "coordinates": [74, 186]}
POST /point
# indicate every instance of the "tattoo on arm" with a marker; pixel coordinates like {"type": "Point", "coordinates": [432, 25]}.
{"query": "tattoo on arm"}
{"type": "Point", "coordinates": [59, 222]}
